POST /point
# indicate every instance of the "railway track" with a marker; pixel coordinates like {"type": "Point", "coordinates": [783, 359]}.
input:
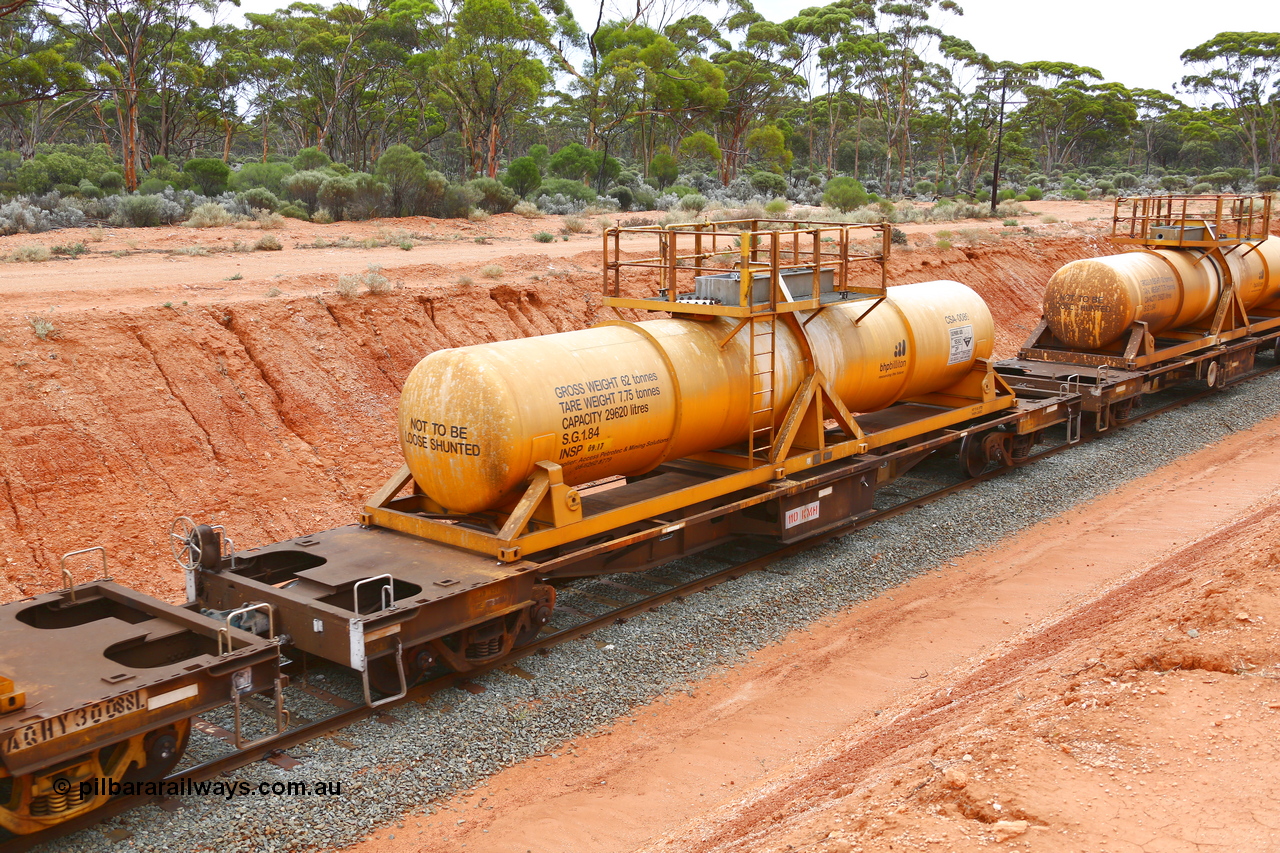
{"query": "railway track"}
{"type": "Point", "coordinates": [929, 483]}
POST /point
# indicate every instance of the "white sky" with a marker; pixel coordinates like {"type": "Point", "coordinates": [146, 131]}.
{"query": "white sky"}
{"type": "Point", "coordinates": [1134, 42]}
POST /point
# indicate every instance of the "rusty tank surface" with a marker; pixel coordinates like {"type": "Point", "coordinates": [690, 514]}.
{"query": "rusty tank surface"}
{"type": "Point", "coordinates": [1091, 303]}
{"type": "Point", "coordinates": [622, 398]}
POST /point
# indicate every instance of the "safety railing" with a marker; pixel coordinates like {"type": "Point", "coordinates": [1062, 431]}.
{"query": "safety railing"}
{"type": "Point", "coordinates": [742, 266]}
{"type": "Point", "coordinates": [1191, 221]}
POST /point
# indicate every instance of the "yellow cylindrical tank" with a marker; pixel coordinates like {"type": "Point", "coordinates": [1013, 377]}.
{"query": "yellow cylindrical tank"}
{"type": "Point", "coordinates": [621, 398]}
{"type": "Point", "coordinates": [1091, 303]}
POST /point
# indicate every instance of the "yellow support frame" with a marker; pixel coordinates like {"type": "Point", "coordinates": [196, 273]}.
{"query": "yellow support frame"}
{"type": "Point", "coordinates": [982, 392]}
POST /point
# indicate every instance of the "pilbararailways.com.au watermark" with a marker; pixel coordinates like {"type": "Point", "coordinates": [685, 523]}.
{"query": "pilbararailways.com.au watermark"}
{"type": "Point", "coordinates": [228, 790]}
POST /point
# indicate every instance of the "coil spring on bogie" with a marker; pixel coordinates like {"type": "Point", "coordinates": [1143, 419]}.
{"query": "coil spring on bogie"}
{"type": "Point", "coordinates": [56, 803]}
{"type": "Point", "coordinates": [484, 648]}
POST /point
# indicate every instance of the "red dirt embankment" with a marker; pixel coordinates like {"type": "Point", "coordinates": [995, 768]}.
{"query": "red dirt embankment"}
{"type": "Point", "coordinates": [275, 416]}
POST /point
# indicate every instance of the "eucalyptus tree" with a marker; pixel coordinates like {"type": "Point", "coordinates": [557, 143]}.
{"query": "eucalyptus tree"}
{"type": "Point", "coordinates": [759, 72]}
{"type": "Point", "coordinates": [1243, 69]}
{"type": "Point", "coordinates": [129, 38]}
{"type": "Point", "coordinates": [318, 69]}
{"type": "Point", "coordinates": [1154, 109]}
{"type": "Point", "coordinates": [830, 40]}
{"type": "Point", "coordinates": [41, 83]}
{"type": "Point", "coordinates": [898, 81]}
{"type": "Point", "coordinates": [489, 68]}
{"type": "Point", "coordinates": [1069, 117]}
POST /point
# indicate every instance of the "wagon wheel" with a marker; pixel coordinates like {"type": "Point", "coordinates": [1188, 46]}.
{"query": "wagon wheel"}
{"type": "Point", "coordinates": [163, 748]}
{"type": "Point", "coordinates": [973, 455]}
{"type": "Point", "coordinates": [539, 614]}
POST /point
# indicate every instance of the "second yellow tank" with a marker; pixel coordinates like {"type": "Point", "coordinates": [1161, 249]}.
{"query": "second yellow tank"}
{"type": "Point", "coordinates": [1091, 303]}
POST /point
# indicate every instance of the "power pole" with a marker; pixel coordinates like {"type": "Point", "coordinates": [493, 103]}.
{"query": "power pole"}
{"type": "Point", "coordinates": [995, 172]}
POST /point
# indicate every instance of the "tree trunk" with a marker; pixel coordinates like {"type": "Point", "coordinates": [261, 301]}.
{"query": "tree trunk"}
{"type": "Point", "coordinates": [226, 140]}
{"type": "Point", "coordinates": [493, 148]}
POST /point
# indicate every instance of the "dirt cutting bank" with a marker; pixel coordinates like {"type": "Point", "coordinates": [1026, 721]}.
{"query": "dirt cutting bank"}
{"type": "Point", "coordinates": [275, 416]}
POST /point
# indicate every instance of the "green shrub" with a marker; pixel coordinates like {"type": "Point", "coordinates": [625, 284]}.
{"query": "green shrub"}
{"type": "Point", "coordinates": [492, 195]}
{"type": "Point", "coordinates": [294, 212]}
{"type": "Point", "coordinates": [304, 186]}
{"type": "Point", "coordinates": [1202, 188]}
{"type": "Point", "coordinates": [572, 162]}
{"type": "Point", "coordinates": [88, 189]}
{"type": "Point", "coordinates": [898, 237]}
{"type": "Point", "coordinates": [663, 168]}
{"type": "Point", "coordinates": [412, 190]}
{"type": "Point", "coordinates": [1079, 195]}
{"type": "Point", "coordinates": [1126, 180]}
{"type": "Point", "coordinates": [1172, 183]}
{"type": "Point", "coordinates": [568, 188]}
{"type": "Point", "coordinates": [335, 193]}
{"type": "Point", "coordinates": [73, 250]}
{"type": "Point", "coordinates": [694, 202]}
{"type": "Point", "coordinates": [523, 176]}
{"type": "Point", "coordinates": [544, 237]}
{"type": "Point", "coordinates": [846, 194]}
{"type": "Point", "coordinates": [33, 178]}
{"type": "Point", "coordinates": [111, 182]}
{"type": "Point", "coordinates": [777, 207]}
{"type": "Point", "coordinates": [153, 186]}
{"type": "Point", "coordinates": [260, 198]}
{"type": "Point", "coordinates": [1266, 183]}
{"type": "Point", "coordinates": [926, 188]}
{"type": "Point", "coordinates": [644, 199]}
{"type": "Point", "coordinates": [311, 158]}
{"type": "Point", "coordinates": [1034, 193]}
{"type": "Point", "coordinates": [265, 176]}
{"type": "Point", "coordinates": [943, 243]}
{"type": "Point", "coordinates": [268, 243]}
{"type": "Point", "coordinates": [137, 211]}
{"type": "Point", "coordinates": [456, 201]}
{"type": "Point", "coordinates": [680, 190]}
{"type": "Point", "coordinates": [1022, 197]}
{"type": "Point", "coordinates": [623, 196]}
{"type": "Point", "coordinates": [208, 174]}
{"type": "Point", "coordinates": [769, 183]}
{"type": "Point", "coordinates": [1007, 195]}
